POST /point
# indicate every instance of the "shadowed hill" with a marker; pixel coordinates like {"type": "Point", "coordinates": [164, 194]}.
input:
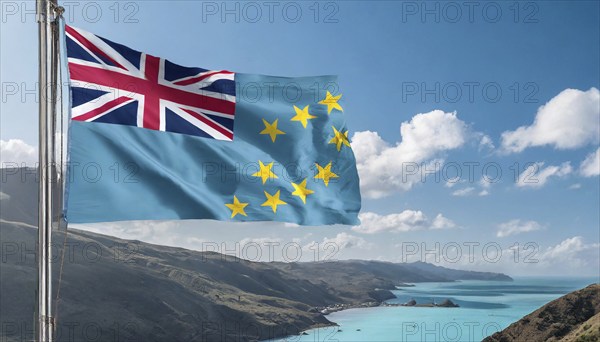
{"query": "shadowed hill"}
{"type": "Point", "coordinates": [152, 293]}
{"type": "Point", "coordinates": [572, 317]}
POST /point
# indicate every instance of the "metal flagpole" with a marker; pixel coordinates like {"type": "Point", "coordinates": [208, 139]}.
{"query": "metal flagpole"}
{"type": "Point", "coordinates": [46, 35]}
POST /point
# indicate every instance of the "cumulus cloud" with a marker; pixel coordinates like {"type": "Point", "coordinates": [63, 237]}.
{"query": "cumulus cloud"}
{"type": "Point", "coordinates": [536, 176]}
{"type": "Point", "coordinates": [260, 241]}
{"type": "Point", "coordinates": [569, 120]}
{"type": "Point", "coordinates": [441, 222]}
{"type": "Point", "coordinates": [514, 227]}
{"type": "Point", "coordinates": [570, 249]}
{"type": "Point", "coordinates": [571, 256]}
{"type": "Point", "coordinates": [197, 241]}
{"type": "Point", "coordinates": [330, 248]}
{"type": "Point", "coordinates": [345, 240]}
{"type": "Point", "coordinates": [485, 142]}
{"type": "Point", "coordinates": [485, 182]}
{"type": "Point", "coordinates": [408, 220]}
{"type": "Point", "coordinates": [450, 183]}
{"type": "Point", "coordinates": [383, 168]}
{"type": "Point", "coordinates": [464, 192]}
{"type": "Point", "coordinates": [484, 186]}
{"type": "Point", "coordinates": [590, 167]}
{"type": "Point", "coordinates": [15, 152]}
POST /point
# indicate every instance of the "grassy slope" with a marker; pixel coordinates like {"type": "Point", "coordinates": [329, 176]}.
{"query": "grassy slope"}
{"type": "Point", "coordinates": [567, 318]}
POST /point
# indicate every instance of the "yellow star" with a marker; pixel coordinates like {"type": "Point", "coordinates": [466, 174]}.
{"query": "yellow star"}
{"type": "Point", "coordinates": [271, 129]}
{"type": "Point", "coordinates": [236, 207]}
{"type": "Point", "coordinates": [339, 138]}
{"type": "Point", "coordinates": [302, 115]}
{"type": "Point", "coordinates": [273, 201]}
{"type": "Point", "coordinates": [301, 191]}
{"type": "Point", "coordinates": [265, 172]}
{"type": "Point", "coordinates": [325, 173]}
{"type": "Point", "coordinates": [332, 102]}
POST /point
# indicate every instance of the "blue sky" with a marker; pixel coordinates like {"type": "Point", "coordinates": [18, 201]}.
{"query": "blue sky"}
{"type": "Point", "coordinates": [395, 60]}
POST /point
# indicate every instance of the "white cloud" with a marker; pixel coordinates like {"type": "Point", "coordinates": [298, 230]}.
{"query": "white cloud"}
{"type": "Point", "coordinates": [15, 152]}
{"type": "Point", "coordinates": [344, 240]}
{"type": "Point", "coordinates": [486, 143]}
{"type": "Point", "coordinates": [263, 241]}
{"type": "Point", "coordinates": [450, 183]}
{"type": "Point", "coordinates": [196, 241]}
{"type": "Point", "coordinates": [568, 249]}
{"type": "Point", "coordinates": [441, 222]}
{"type": "Point", "coordinates": [575, 186]}
{"type": "Point", "coordinates": [536, 176]}
{"type": "Point", "coordinates": [569, 120]}
{"type": "Point", "coordinates": [408, 220]}
{"type": "Point", "coordinates": [590, 167]}
{"type": "Point", "coordinates": [571, 255]}
{"type": "Point", "coordinates": [330, 248]}
{"type": "Point", "coordinates": [483, 183]}
{"type": "Point", "coordinates": [384, 169]}
{"type": "Point", "coordinates": [514, 227]}
{"type": "Point", "coordinates": [4, 196]}
{"type": "Point", "coordinates": [464, 192]}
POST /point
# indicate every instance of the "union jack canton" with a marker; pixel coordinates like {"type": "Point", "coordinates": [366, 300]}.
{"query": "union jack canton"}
{"type": "Point", "coordinates": [111, 83]}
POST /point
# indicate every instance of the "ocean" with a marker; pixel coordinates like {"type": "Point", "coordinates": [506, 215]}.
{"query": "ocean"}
{"type": "Point", "coordinates": [485, 307]}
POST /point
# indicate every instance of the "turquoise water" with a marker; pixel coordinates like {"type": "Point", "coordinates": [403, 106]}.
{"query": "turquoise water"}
{"type": "Point", "coordinates": [485, 307]}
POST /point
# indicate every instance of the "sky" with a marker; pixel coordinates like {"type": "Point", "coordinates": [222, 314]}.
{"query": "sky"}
{"type": "Point", "coordinates": [476, 125]}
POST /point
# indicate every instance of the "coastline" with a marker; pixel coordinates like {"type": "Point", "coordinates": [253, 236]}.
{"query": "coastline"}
{"type": "Point", "coordinates": [474, 320]}
{"type": "Point", "coordinates": [326, 310]}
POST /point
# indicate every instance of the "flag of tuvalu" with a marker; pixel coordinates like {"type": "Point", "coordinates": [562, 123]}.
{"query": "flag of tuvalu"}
{"type": "Point", "coordinates": [153, 140]}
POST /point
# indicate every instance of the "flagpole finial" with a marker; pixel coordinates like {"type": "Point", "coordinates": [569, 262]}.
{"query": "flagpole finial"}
{"type": "Point", "coordinates": [59, 10]}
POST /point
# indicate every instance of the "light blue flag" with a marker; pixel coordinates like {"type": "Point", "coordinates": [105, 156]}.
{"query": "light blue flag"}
{"type": "Point", "coordinates": [151, 140]}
